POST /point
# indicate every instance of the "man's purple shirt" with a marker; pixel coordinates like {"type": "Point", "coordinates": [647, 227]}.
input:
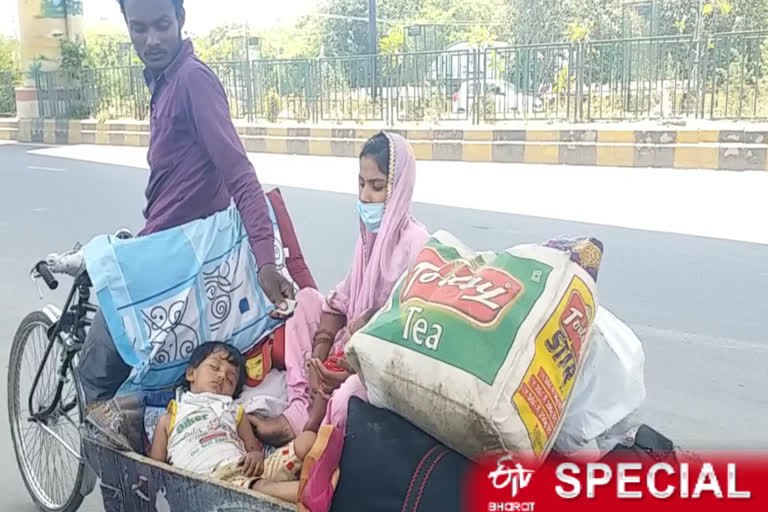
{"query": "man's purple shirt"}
{"type": "Point", "coordinates": [197, 161]}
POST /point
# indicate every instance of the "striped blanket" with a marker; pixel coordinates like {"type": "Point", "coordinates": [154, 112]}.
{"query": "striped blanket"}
{"type": "Point", "coordinates": [164, 294]}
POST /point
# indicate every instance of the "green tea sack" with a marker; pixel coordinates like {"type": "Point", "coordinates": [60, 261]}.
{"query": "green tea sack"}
{"type": "Point", "coordinates": [481, 350]}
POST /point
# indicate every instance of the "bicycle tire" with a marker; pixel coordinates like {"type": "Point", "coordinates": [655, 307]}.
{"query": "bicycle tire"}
{"type": "Point", "coordinates": [17, 403]}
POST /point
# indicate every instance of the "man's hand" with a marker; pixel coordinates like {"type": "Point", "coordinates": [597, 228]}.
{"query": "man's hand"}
{"type": "Point", "coordinates": [252, 463]}
{"type": "Point", "coordinates": [277, 288]}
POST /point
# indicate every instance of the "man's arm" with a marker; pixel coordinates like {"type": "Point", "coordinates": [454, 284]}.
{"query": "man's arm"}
{"type": "Point", "coordinates": [159, 450]}
{"type": "Point", "coordinates": [209, 113]}
{"type": "Point", "coordinates": [250, 442]}
{"type": "Point", "coordinates": [253, 462]}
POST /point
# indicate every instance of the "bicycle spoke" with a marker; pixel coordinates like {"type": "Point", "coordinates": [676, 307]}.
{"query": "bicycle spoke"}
{"type": "Point", "coordinates": [39, 458]}
{"type": "Point", "coordinates": [50, 370]}
{"type": "Point", "coordinates": [67, 457]}
{"type": "Point", "coordinates": [57, 474]}
{"type": "Point", "coordinates": [65, 461]}
{"type": "Point", "coordinates": [37, 450]}
{"type": "Point", "coordinates": [39, 350]}
{"type": "Point", "coordinates": [33, 363]}
{"type": "Point", "coordinates": [57, 489]}
{"type": "Point", "coordinates": [49, 483]}
{"type": "Point", "coordinates": [44, 467]}
{"type": "Point", "coordinates": [35, 445]}
{"type": "Point", "coordinates": [35, 429]}
{"type": "Point", "coordinates": [70, 436]}
{"type": "Point", "coordinates": [42, 386]}
{"type": "Point", "coordinates": [69, 420]}
{"type": "Point", "coordinates": [30, 369]}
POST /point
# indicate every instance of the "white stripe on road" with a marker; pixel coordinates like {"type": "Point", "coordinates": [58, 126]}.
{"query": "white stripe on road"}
{"type": "Point", "coordinates": [125, 156]}
{"type": "Point", "coordinates": [46, 169]}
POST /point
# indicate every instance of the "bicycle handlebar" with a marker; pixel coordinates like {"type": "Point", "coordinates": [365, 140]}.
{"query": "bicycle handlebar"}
{"type": "Point", "coordinates": [44, 272]}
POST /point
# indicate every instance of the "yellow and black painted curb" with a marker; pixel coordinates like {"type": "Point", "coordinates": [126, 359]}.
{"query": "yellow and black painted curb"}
{"type": "Point", "coordinates": [681, 148]}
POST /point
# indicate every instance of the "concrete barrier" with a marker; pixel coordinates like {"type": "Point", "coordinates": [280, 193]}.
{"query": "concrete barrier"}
{"type": "Point", "coordinates": [682, 148]}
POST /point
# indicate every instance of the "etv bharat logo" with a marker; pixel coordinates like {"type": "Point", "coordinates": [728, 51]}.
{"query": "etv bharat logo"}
{"type": "Point", "coordinates": [516, 478]}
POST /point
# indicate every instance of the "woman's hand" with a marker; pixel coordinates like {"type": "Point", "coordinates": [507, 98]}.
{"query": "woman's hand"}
{"type": "Point", "coordinates": [314, 378]}
{"type": "Point", "coordinates": [328, 381]}
{"type": "Point", "coordinates": [252, 463]}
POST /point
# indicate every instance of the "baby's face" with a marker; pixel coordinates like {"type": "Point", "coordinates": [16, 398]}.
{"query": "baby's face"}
{"type": "Point", "coordinates": [214, 375]}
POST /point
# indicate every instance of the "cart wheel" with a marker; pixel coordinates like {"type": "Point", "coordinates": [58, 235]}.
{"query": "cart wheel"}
{"type": "Point", "coordinates": [48, 454]}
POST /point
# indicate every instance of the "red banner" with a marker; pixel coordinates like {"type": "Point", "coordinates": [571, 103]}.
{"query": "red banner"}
{"type": "Point", "coordinates": [723, 481]}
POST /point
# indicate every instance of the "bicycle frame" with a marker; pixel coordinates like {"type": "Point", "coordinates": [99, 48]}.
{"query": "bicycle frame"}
{"type": "Point", "coordinates": [75, 319]}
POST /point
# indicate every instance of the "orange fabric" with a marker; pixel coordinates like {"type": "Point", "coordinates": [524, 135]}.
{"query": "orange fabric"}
{"type": "Point", "coordinates": [278, 348]}
{"type": "Point", "coordinates": [321, 443]}
{"type": "Point", "coordinates": [258, 363]}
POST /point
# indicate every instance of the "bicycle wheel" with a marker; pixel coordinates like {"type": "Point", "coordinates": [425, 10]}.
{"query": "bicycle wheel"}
{"type": "Point", "coordinates": [48, 453]}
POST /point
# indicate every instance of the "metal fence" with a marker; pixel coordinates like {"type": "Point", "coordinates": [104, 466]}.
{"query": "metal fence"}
{"type": "Point", "coordinates": [110, 93]}
{"type": "Point", "coordinates": [7, 94]}
{"type": "Point", "coordinates": [724, 77]}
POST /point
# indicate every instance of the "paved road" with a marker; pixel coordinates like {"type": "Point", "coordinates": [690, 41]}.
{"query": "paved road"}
{"type": "Point", "coordinates": [698, 304]}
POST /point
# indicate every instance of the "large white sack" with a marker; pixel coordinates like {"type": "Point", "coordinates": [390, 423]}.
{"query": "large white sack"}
{"type": "Point", "coordinates": [482, 350]}
{"type": "Point", "coordinates": [610, 388]}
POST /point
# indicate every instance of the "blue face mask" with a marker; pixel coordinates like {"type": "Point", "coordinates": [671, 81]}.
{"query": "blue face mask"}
{"type": "Point", "coordinates": [371, 215]}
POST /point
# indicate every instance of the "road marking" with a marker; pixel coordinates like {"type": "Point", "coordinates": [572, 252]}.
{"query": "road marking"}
{"type": "Point", "coordinates": [39, 210]}
{"type": "Point", "coordinates": [47, 169]}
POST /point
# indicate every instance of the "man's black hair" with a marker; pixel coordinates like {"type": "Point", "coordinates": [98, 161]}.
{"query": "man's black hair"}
{"type": "Point", "coordinates": [178, 4]}
{"type": "Point", "coordinates": [234, 356]}
{"type": "Point", "coordinates": [377, 147]}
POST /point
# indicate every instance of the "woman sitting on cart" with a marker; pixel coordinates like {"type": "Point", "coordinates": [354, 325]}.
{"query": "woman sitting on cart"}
{"type": "Point", "coordinates": [390, 239]}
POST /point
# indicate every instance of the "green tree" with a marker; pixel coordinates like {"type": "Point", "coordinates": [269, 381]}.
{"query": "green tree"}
{"type": "Point", "coordinates": [393, 42]}
{"type": "Point", "coordinates": [450, 17]}
{"type": "Point", "coordinates": [72, 79]}
{"type": "Point", "coordinates": [108, 47]}
{"type": "Point", "coordinates": [478, 21]}
{"type": "Point", "coordinates": [300, 40]}
{"type": "Point", "coordinates": [680, 16]}
{"type": "Point", "coordinates": [222, 43]}
{"type": "Point", "coordinates": [227, 42]}
{"type": "Point", "coordinates": [346, 36]}
{"type": "Point", "coordinates": [350, 36]}
{"type": "Point", "coordinates": [548, 21]}
{"type": "Point", "coordinates": [9, 61]}
{"type": "Point", "coordinates": [9, 54]}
